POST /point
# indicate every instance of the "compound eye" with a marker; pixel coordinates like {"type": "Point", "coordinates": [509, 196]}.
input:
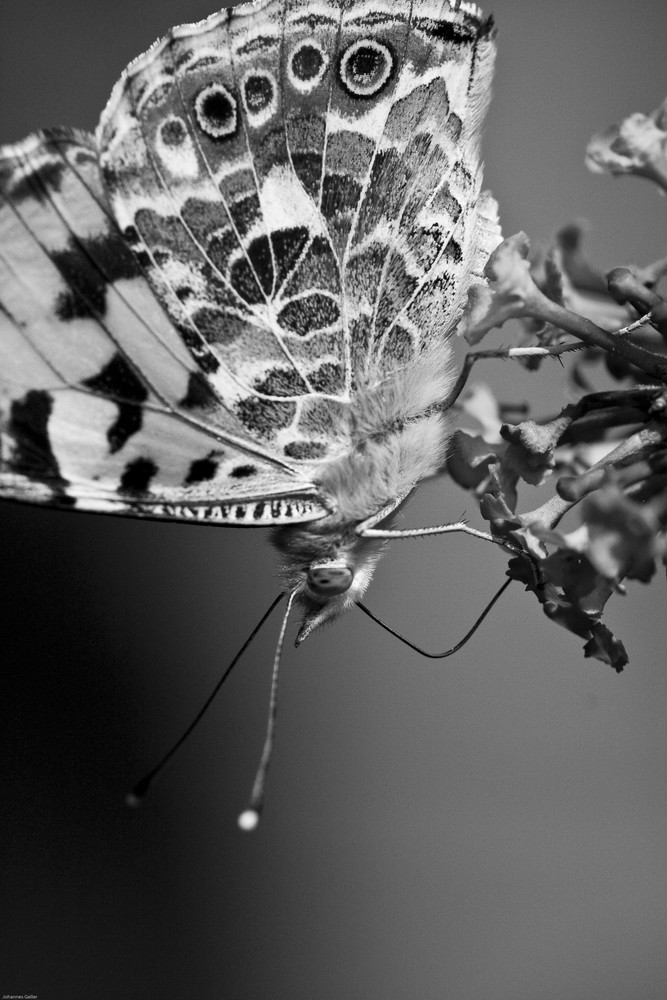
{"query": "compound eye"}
{"type": "Point", "coordinates": [329, 579]}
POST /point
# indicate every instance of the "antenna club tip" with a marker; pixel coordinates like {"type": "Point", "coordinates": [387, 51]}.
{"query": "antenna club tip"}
{"type": "Point", "coordinates": [135, 797]}
{"type": "Point", "coordinates": [249, 820]}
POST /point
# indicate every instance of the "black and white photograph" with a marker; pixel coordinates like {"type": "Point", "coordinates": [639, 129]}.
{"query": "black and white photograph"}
{"type": "Point", "coordinates": [333, 500]}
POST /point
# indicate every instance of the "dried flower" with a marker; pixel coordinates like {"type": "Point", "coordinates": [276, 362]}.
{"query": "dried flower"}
{"type": "Point", "coordinates": [623, 535]}
{"type": "Point", "coordinates": [637, 146]}
{"type": "Point", "coordinates": [509, 293]}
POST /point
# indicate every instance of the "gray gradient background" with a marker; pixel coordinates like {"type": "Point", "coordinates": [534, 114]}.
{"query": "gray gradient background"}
{"type": "Point", "coordinates": [492, 827]}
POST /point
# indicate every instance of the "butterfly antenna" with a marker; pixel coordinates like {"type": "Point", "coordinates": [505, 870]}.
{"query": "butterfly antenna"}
{"type": "Point", "coordinates": [448, 652]}
{"type": "Point", "coordinates": [249, 818]}
{"type": "Point", "coordinates": [141, 788]}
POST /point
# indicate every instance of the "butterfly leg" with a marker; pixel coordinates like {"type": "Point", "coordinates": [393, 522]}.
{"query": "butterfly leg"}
{"type": "Point", "coordinates": [366, 529]}
{"type": "Point", "coordinates": [503, 354]}
{"type": "Point", "coordinates": [369, 529]}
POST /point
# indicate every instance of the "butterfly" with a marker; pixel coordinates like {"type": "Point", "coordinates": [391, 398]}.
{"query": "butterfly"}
{"type": "Point", "coordinates": [234, 303]}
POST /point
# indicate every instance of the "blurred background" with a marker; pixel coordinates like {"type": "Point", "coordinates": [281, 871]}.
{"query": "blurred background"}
{"type": "Point", "coordinates": [488, 826]}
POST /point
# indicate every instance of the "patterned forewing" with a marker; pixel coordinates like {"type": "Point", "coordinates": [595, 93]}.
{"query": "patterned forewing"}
{"type": "Point", "coordinates": [102, 407]}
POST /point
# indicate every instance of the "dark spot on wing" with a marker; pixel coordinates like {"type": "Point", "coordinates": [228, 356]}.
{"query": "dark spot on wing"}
{"type": "Point", "coordinates": [33, 457]}
{"type": "Point", "coordinates": [127, 423]}
{"type": "Point", "coordinates": [398, 346]}
{"type": "Point", "coordinates": [118, 382]}
{"type": "Point", "coordinates": [451, 31]}
{"type": "Point", "coordinates": [304, 451]}
{"type": "Point", "coordinates": [245, 211]}
{"type": "Point", "coordinates": [312, 312]}
{"type": "Point", "coordinates": [445, 202]}
{"type": "Point", "coordinates": [307, 62]}
{"type": "Point", "coordinates": [205, 359]}
{"type": "Point", "coordinates": [110, 177]}
{"type": "Point", "coordinates": [163, 232]}
{"type": "Point", "coordinates": [200, 395]}
{"type": "Point", "coordinates": [281, 382]}
{"type": "Point", "coordinates": [306, 139]}
{"type": "Point", "coordinates": [89, 266]}
{"type": "Point", "coordinates": [258, 93]}
{"type": "Point", "coordinates": [312, 22]}
{"type": "Point", "coordinates": [137, 476]}
{"type": "Point", "coordinates": [271, 149]}
{"type": "Point", "coordinates": [201, 471]}
{"type": "Point", "coordinates": [243, 472]}
{"type": "Point", "coordinates": [40, 182]}
{"type": "Point", "coordinates": [365, 68]}
{"type": "Point", "coordinates": [453, 252]}
{"type": "Point", "coordinates": [317, 269]}
{"type": "Point", "coordinates": [308, 168]}
{"type": "Point", "coordinates": [264, 417]}
{"type": "Point", "coordinates": [205, 220]}
{"type": "Point", "coordinates": [328, 377]}
{"type": "Point", "coordinates": [216, 111]}
{"type": "Point", "coordinates": [288, 245]}
{"type": "Point", "coordinates": [84, 157]}
{"type": "Point", "coordinates": [131, 235]}
{"type": "Point", "coordinates": [340, 193]}
{"type": "Point", "coordinates": [256, 45]}
{"type": "Point", "coordinates": [243, 281]}
{"type": "Point", "coordinates": [218, 327]}
{"type": "Point", "coordinates": [221, 246]}
{"type": "Point", "coordinates": [259, 253]}
{"type": "Point", "coordinates": [173, 132]}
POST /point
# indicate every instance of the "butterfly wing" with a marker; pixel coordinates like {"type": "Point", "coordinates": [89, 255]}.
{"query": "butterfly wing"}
{"type": "Point", "coordinates": [298, 183]}
{"type": "Point", "coordinates": [301, 181]}
{"type": "Point", "coordinates": [101, 405]}
{"type": "Point", "coordinates": [405, 143]}
{"type": "Point", "coordinates": [196, 164]}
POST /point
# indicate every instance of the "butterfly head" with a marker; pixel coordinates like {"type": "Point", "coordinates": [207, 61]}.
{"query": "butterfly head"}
{"type": "Point", "coordinates": [326, 572]}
